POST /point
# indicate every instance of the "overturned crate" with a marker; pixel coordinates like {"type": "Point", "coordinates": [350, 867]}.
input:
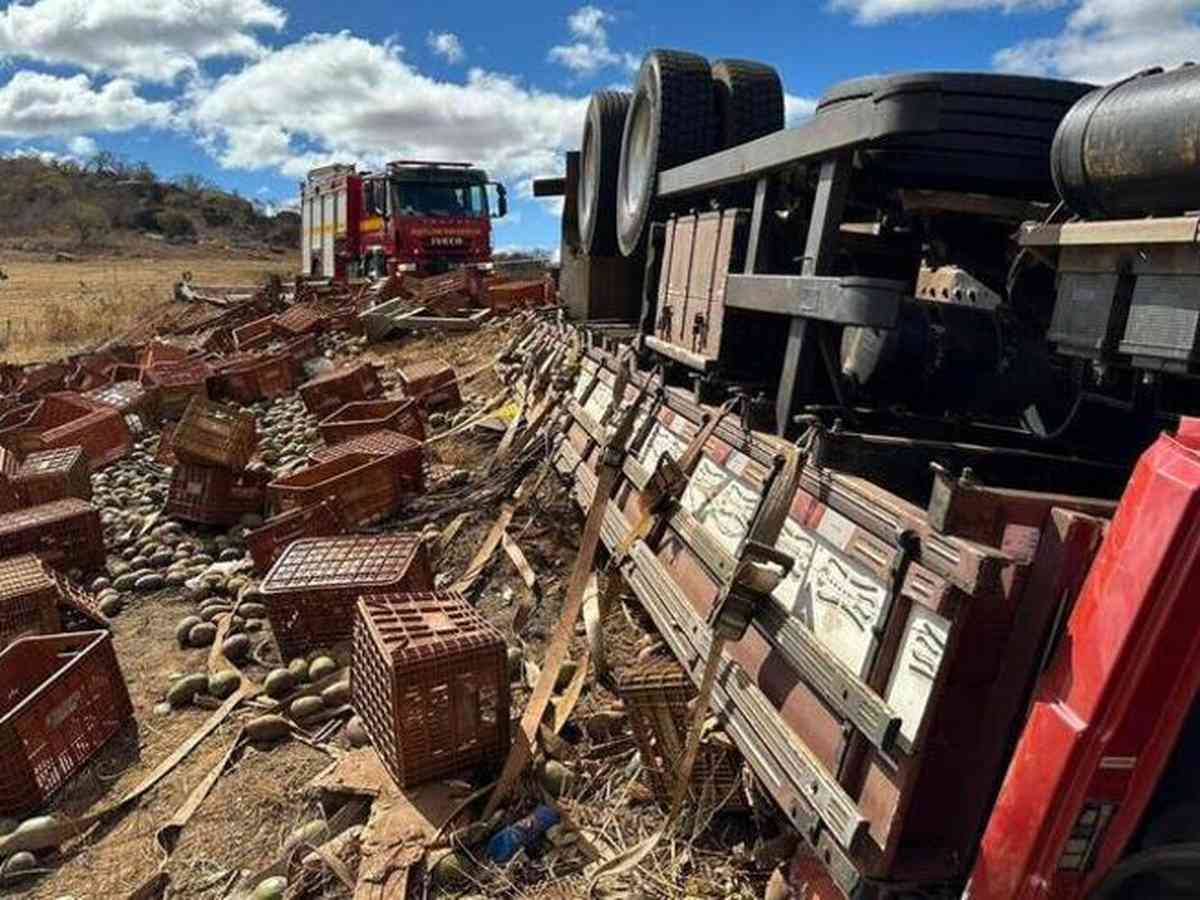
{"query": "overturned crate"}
{"type": "Point", "coordinates": [211, 496]}
{"type": "Point", "coordinates": [429, 678]}
{"type": "Point", "coordinates": [364, 417]}
{"type": "Point", "coordinates": [103, 434]}
{"type": "Point", "coordinates": [323, 519]}
{"type": "Point", "coordinates": [10, 498]}
{"type": "Point", "coordinates": [410, 462]}
{"type": "Point", "coordinates": [657, 697]}
{"type": "Point", "coordinates": [178, 383]}
{"type": "Point", "coordinates": [266, 377]}
{"type": "Point", "coordinates": [50, 475]}
{"type": "Point", "coordinates": [254, 335]}
{"type": "Point", "coordinates": [213, 434]}
{"type": "Point", "coordinates": [370, 487]}
{"type": "Point", "coordinates": [62, 698]}
{"type": "Point", "coordinates": [34, 599]}
{"type": "Point", "coordinates": [328, 393]}
{"type": "Point", "coordinates": [66, 534]}
{"type": "Point", "coordinates": [311, 589]}
{"type": "Point", "coordinates": [130, 398]}
{"type": "Point", "coordinates": [433, 382]}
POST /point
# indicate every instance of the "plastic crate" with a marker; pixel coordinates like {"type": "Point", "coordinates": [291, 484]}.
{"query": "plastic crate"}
{"type": "Point", "coordinates": [433, 382]}
{"type": "Point", "coordinates": [411, 464]}
{"type": "Point", "coordinates": [656, 697]}
{"type": "Point", "coordinates": [254, 334]}
{"type": "Point", "coordinates": [212, 434]}
{"type": "Point", "coordinates": [10, 497]}
{"type": "Point", "coordinates": [62, 697]}
{"type": "Point", "coordinates": [370, 488]}
{"type": "Point", "coordinates": [365, 416]}
{"type": "Point", "coordinates": [104, 436]}
{"type": "Point", "coordinates": [302, 318]}
{"type": "Point", "coordinates": [34, 599]}
{"type": "Point", "coordinates": [328, 393]}
{"type": "Point", "coordinates": [211, 496]}
{"type": "Point", "coordinates": [429, 678]}
{"type": "Point", "coordinates": [178, 383]}
{"type": "Point", "coordinates": [66, 534]}
{"type": "Point", "coordinates": [311, 589]}
{"type": "Point", "coordinates": [41, 379]}
{"type": "Point", "coordinates": [21, 429]}
{"type": "Point", "coordinates": [324, 519]}
{"type": "Point", "coordinates": [129, 397]}
{"type": "Point", "coordinates": [158, 352]}
{"type": "Point", "coordinates": [265, 378]}
{"type": "Point", "coordinates": [50, 475]}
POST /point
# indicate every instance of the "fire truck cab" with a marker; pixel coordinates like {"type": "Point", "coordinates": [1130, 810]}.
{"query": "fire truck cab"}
{"type": "Point", "coordinates": [414, 216]}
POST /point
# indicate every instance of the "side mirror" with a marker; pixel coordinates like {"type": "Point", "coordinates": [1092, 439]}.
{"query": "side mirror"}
{"type": "Point", "coordinates": [501, 200]}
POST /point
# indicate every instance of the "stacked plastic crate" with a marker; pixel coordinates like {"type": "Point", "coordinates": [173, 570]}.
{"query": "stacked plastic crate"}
{"type": "Point", "coordinates": [212, 483]}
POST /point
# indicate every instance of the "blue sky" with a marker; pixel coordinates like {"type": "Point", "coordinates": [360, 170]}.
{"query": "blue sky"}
{"type": "Point", "coordinates": [250, 93]}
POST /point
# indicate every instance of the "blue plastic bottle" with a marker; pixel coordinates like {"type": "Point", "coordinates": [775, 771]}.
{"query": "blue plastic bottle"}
{"type": "Point", "coordinates": [507, 841]}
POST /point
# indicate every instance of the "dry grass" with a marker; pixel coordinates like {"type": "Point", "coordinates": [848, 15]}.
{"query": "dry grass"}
{"type": "Point", "coordinates": [49, 309]}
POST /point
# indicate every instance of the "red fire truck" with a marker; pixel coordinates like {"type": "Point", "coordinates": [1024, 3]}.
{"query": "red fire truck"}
{"type": "Point", "coordinates": [414, 216]}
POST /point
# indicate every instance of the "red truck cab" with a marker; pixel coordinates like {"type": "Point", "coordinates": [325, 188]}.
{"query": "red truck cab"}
{"type": "Point", "coordinates": [414, 216]}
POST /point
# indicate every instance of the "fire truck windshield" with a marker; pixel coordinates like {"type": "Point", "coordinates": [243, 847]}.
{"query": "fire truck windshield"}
{"type": "Point", "coordinates": [416, 198]}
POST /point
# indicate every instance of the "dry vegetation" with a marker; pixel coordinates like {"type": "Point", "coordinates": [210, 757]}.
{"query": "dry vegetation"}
{"type": "Point", "coordinates": [48, 309]}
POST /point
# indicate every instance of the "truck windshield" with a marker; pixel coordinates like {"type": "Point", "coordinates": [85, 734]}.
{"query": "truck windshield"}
{"type": "Point", "coordinates": [415, 198]}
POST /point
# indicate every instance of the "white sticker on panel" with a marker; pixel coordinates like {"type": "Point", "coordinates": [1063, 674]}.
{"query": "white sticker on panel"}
{"type": "Point", "coordinates": [597, 404]}
{"type": "Point", "coordinates": [847, 607]}
{"type": "Point", "coordinates": [799, 544]}
{"type": "Point", "coordinates": [916, 668]}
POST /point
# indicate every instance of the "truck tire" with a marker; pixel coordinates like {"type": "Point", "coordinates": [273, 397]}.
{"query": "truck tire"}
{"type": "Point", "coordinates": [670, 122]}
{"type": "Point", "coordinates": [996, 133]}
{"type": "Point", "coordinates": [599, 164]}
{"type": "Point", "coordinates": [747, 101]}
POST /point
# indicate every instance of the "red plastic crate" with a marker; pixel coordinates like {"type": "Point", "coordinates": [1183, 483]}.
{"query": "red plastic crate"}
{"type": "Point", "coordinates": [267, 377]}
{"type": "Point", "coordinates": [49, 475]}
{"type": "Point", "coordinates": [411, 464]}
{"type": "Point", "coordinates": [504, 296]}
{"type": "Point", "coordinates": [66, 534]}
{"type": "Point", "coordinates": [158, 352]}
{"type": "Point", "coordinates": [433, 382]}
{"type": "Point", "coordinates": [328, 393]}
{"type": "Point", "coordinates": [656, 697]}
{"type": "Point", "coordinates": [254, 334]}
{"type": "Point", "coordinates": [366, 416]}
{"type": "Point", "coordinates": [370, 488]}
{"type": "Point", "coordinates": [311, 589]}
{"type": "Point", "coordinates": [34, 599]}
{"type": "Point", "coordinates": [104, 436]}
{"type": "Point", "coordinates": [41, 379]}
{"type": "Point", "coordinates": [303, 318]}
{"type": "Point", "coordinates": [21, 429]}
{"type": "Point", "coordinates": [62, 697]}
{"type": "Point", "coordinates": [214, 434]}
{"type": "Point", "coordinates": [429, 677]}
{"type": "Point", "coordinates": [324, 519]}
{"type": "Point", "coordinates": [178, 383]}
{"type": "Point", "coordinates": [10, 497]}
{"type": "Point", "coordinates": [129, 398]}
{"type": "Point", "coordinates": [211, 496]}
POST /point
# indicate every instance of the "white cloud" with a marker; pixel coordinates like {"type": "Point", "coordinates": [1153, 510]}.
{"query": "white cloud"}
{"type": "Point", "coordinates": [872, 12]}
{"type": "Point", "coordinates": [33, 104]}
{"type": "Point", "coordinates": [1105, 40]}
{"type": "Point", "coordinates": [797, 109]}
{"type": "Point", "coordinates": [153, 41]}
{"type": "Point", "coordinates": [83, 146]}
{"type": "Point", "coordinates": [446, 45]}
{"type": "Point", "coordinates": [590, 52]}
{"type": "Point", "coordinates": [338, 97]}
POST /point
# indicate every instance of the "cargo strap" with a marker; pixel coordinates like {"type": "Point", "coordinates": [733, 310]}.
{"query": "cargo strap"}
{"type": "Point", "coordinates": [521, 752]}
{"type": "Point", "coordinates": [759, 570]}
{"type": "Point", "coordinates": [667, 484]}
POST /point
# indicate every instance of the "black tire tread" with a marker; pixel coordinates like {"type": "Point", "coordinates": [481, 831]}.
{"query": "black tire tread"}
{"type": "Point", "coordinates": [748, 101]}
{"type": "Point", "coordinates": [685, 117]}
{"type": "Point", "coordinates": [606, 113]}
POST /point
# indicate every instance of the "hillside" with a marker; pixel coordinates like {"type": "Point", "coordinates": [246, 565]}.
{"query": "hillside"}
{"type": "Point", "coordinates": [112, 207]}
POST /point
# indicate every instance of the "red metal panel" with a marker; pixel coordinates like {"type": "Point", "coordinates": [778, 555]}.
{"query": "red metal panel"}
{"type": "Point", "coordinates": [1110, 705]}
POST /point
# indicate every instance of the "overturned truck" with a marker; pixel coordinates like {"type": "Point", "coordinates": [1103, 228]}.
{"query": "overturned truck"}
{"type": "Point", "coordinates": [931, 356]}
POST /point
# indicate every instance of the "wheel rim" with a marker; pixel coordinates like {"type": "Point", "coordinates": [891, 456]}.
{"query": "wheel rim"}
{"type": "Point", "coordinates": [591, 175]}
{"type": "Point", "coordinates": [638, 162]}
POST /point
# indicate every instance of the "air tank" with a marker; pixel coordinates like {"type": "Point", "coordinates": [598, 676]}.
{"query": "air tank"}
{"type": "Point", "coordinates": [1132, 149]}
